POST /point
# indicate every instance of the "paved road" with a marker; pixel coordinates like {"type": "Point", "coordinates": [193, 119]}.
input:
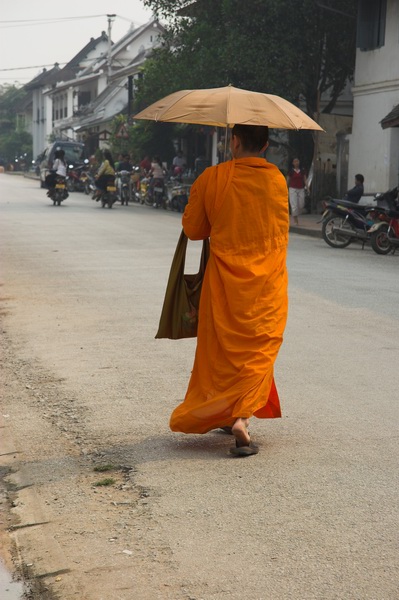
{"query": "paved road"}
{"type": "Point", "coordinates": [313, 516]}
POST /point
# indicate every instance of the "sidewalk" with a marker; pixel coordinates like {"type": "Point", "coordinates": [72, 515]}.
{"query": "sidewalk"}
{"type": "Point", "coordinates": [308, 225]}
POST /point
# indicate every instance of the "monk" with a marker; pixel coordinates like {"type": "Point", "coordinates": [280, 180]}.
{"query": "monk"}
{"type": "Point", "coordinates": [242, 205]}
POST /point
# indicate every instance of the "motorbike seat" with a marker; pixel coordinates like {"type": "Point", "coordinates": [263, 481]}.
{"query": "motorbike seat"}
{"type": "Point", "coordinates": [348, 204]}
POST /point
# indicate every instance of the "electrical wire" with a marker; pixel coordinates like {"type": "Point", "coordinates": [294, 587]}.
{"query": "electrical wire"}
{"type": "Point", "coordinates": [33, 67]}
{"type": "Point", "coordinates": [33, 22]}
{"type": "Point", "coordinates": [51, 21]}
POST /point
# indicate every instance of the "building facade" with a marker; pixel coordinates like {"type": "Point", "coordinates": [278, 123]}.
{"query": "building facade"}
{"type": "Point", "coordinates": [373, 149]}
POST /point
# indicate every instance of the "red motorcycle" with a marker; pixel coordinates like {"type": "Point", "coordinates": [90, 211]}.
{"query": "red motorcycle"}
{"type": "Point", "coordinates": [384, 234]}
{"type": "Point", "coordinates": [78, 178]}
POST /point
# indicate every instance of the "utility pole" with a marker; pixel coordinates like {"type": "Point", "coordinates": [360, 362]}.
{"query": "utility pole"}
{"type": "Point", "coordinates": [129, 99]}
{"type": "Point", "coordinates": [109, 66]}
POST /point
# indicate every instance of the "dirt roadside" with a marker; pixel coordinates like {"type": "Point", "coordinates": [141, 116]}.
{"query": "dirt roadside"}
{"type": "Point", "coordinates": [74, 494]}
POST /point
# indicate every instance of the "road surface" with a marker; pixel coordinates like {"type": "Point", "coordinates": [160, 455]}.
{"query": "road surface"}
{"type": "Point", "coordinates": [313, 516]}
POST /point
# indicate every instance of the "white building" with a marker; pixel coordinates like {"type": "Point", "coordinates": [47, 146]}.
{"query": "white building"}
{"type": "Point", "coordinates": [79, 101]}
{"type": "Point", "coordinates": [44, 110]}
{"type": "Point", "coordinates": [98, 92]}
{"type": "Point", "coordinates": [41, 110]}
{"type": "Point", "coordinates": [374, 150]}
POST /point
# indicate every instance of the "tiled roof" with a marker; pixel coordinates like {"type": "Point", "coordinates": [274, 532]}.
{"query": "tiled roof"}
{"type": "Point", "coordinates": [43, 78]}
{"type": "Point", "coordinates": [72, 68]}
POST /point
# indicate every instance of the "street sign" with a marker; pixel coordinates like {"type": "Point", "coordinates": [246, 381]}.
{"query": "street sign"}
{"type": "Point", "coordinates": [122, 132]}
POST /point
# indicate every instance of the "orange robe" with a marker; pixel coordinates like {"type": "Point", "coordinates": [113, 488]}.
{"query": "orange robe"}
{"type": "Point", "coordinates": [242, 205]}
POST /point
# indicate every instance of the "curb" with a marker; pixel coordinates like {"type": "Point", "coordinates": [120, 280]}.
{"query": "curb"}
{"type": "Point", "coordinates": [304, 231]}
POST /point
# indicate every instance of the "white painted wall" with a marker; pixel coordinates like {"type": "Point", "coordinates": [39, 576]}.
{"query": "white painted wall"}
{"type": "Point", "coordinates": [374, 151]}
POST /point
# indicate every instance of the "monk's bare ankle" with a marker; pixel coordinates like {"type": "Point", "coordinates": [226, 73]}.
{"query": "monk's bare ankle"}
{"type": "Point", "coordinates": [239, 430]}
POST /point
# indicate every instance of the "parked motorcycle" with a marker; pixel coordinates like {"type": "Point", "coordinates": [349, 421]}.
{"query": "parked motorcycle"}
{"type": "Point", "coordinates": [178, 198]}
{"type": "Point", "coordinates": [345, 222]}
{"type": "Point", "coordinates": [145, 191]}
{"type": "Point", "coordinates": [59, 192]}
{"type": "Point", "coordinates": [135, 184]}
{"type": "Point", "coordinates": [77, 177]}
{"type": "Point", "coordinates": [90, 184]}
{"type": "Point", "coordinates": [159, 196]}
{"type": "Point", "coordinates": [384, 234]}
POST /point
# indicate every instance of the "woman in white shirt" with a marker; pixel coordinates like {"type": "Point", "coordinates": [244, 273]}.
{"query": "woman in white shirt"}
{"type": "Point", "coordinates": [58, 169]}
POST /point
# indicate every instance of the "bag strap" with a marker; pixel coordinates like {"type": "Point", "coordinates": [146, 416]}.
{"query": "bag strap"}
{"type": "Point", "coordinates": [179, 256]}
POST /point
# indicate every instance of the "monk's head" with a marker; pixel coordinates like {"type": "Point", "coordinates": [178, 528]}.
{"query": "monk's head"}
{"type": "Point", "coordinates": [249, 140]}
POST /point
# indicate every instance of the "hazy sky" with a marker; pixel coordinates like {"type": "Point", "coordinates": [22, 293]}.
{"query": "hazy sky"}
{"type": "Point", "coordinates": [28, 42]}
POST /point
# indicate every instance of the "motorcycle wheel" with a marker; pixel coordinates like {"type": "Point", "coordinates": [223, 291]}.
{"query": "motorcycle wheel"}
{"type": "Point", "coordinates": [379, 240]}
{"type": "Point", "coordinates": [70, 185]}
{"type": "Point", "coordinates": [331, 237]}
{"type": "Point", "coordinates": [87, 189]}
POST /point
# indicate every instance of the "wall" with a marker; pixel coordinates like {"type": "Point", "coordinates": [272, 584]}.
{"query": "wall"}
{"type": "Point", "coordinates": [374, 151]}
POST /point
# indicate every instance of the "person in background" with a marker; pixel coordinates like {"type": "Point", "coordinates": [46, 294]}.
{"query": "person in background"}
{"type": "Point", "coordinates": [93, 165]}
{"type": "Point", "coordinates": [58, 169]}
{"type": "Point", "coordinates": [178, 164]}
{"type": "Point", "coordinates": [145, 165]}
{"type": "Point", "coordinates": [244, 303]}
{"type": "Point", "coordinates": [355, 193]}
{"type": "Point", "coordinates": [124, 163]}
{"type": "Point", "coordinates": [157, 174]}
{"type": "Point", "coordinates": [105, 173]}
{"type": "Point", "coordinates": [297, 183]}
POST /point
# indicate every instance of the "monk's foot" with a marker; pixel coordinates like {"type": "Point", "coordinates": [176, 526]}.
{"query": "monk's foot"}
{"type": "Point", "coordinates": [240, 432]}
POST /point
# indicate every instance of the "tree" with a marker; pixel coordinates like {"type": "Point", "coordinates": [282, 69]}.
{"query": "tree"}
{"type": "Point", "coordinates": [299, 50]}
{"type": "Point", "coordinates": [142, 138]}
{"type": "Point", "coordinates": [14, 143]}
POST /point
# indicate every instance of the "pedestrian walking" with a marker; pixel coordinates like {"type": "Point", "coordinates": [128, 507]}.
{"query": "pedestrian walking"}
{"type": "Point", "coordinates": [297, 183]}
{"type": "Point", "coordinates": [242, 206]}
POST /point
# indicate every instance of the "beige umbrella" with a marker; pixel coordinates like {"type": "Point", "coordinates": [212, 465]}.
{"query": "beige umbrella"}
{"type": "Point", "coordinates": [227, 106]}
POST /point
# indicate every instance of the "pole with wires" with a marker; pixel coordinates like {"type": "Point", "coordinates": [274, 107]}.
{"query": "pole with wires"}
{"type": "Point", "coordinates": [109, 60]}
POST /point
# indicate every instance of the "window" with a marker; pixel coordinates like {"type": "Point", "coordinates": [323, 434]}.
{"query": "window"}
{"type": "Point", "coordinates": [371, 18]}
{"type": "Point", "coordinates": [84, 98]}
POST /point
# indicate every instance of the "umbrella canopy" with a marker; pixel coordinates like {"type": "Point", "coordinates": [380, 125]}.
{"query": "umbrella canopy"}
{"type": "Point", "coordinates": [227, 106]}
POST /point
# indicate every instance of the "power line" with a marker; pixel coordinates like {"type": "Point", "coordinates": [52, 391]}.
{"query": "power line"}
{"type": "Point", "coordinates": [51, 21]}
{"type": "Point", "coordinates": [33, 67]}
{"type": "Point", "coordinates": [25, 22]}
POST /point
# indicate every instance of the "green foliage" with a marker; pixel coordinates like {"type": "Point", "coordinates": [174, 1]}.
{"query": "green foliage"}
{"type": "Point", "coordinates": [290, 48]}
{"type": "Point", "coordinates": [105, 482]}
{"type": "Point", "coordinates": [14, 142]}
{"type": "Point", "coordinates": [144, 138]}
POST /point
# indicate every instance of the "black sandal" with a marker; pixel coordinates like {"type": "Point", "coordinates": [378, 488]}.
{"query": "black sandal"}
{"type": "Point", "coordinates": [241, 451]}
